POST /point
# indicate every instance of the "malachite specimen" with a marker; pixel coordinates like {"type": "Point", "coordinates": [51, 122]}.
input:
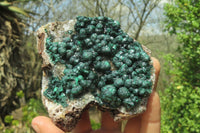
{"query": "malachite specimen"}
{"type": "Point", "coordinates": [100, 59]}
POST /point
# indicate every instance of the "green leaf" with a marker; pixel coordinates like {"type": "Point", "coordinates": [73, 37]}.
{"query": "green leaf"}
{"type": "Point", "coordinates": [18, 10]}
{"type": "Point", "coordinates": [15, 122]}
{"type": "Point", "coordinates": [8, 118]}
{"type": "Point", "coordinates": [20, 94]}
{"type": "Point", "coordinates": [5, 3]}
{"type": "Point", "coordinates": [195, 24]}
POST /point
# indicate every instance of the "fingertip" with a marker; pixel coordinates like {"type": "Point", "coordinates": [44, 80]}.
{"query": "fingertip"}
{"type": "Point", "coordinates": [37, 119]}
{"type": "Point", "coordinates": [34, 121]}
{"type": "Point", "coordinates": [43, 124]}
{"type": "Point", "coordinates": [34, 124]}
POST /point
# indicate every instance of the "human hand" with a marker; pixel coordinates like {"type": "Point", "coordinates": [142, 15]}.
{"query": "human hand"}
{"type": "Point", "coordinates": [148, 122]}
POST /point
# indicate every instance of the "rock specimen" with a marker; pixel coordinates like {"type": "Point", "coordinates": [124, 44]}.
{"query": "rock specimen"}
{"type": "Point", "coordinates": [92, 61]}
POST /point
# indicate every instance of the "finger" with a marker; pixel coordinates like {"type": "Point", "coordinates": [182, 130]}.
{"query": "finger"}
{"type": "Point", "coordinates": [107, 123]}
{"type": "Point", "coordinates": [151, 118]}
{"type": "Point", "coordinates": [156, 65]}
{"type": "Point", "coordinates": [83, 125]}
{"type": "Point", "coordinates": [42, 124]}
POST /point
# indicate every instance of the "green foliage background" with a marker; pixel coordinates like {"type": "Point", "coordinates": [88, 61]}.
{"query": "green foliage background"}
{"type": "Point", "coordinates": [181, 99]}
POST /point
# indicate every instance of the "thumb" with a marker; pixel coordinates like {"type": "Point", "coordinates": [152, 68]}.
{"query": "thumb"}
{"type": "Point", "coordinates": [42, 124]}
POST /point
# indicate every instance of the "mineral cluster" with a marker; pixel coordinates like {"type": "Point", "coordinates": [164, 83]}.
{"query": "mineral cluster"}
{"type": "Point", "coordinates": [100, 59]}
{"type": "Point", "coordinates": [92, 61]}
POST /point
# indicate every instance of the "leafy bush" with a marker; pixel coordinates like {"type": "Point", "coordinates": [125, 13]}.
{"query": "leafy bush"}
{"type": "Point", "coordinates": [31, 110]}
{"type": "Point", "coordinates": [181, 100]}
{"type": "Point", "coordinates": [23, 125]}
{"type": "Point", "coordinates": [180, 108]}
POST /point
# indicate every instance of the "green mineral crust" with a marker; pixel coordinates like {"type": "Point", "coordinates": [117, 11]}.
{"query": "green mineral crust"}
{"type": "Point", "coordinates": [101, 59]}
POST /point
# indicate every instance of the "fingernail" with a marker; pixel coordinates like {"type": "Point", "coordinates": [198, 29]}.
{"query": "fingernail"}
{"type": "Point", "coordinates": [36, 128]}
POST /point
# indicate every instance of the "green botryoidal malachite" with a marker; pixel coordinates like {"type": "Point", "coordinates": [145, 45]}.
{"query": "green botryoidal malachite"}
{"type": "Point", "coordinates": [100, 59]}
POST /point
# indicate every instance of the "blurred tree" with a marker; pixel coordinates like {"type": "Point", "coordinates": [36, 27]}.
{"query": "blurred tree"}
{"type": "Point", "coordinates": [132, 14]}
{"type": "Point", "coordinates": [11, 65]}
{"type": "Point", "coordinates": [50, 11]}
{"type": "Point", "coordinates": [181, 100]}
{"type": "Point", "coordinates": [32, 68]}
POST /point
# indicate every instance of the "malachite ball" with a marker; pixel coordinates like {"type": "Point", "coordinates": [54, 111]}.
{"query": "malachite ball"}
{"type": "Point", "coordinates": [118, 82]}
{"type": "Point", "coordinates": [108, 93]}
{"type": "Point", "coordinates": [123, 92]}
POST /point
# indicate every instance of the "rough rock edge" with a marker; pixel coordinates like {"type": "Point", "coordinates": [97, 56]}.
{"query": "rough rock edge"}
{"type": "Point", "coordinates": [67, 118]}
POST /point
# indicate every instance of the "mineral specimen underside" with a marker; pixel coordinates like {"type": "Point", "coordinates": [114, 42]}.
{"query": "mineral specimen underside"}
{"type": "Point", "coordinates": [93, 61]}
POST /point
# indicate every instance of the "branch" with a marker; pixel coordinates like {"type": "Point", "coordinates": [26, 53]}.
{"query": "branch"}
{"type": "Point", "coordinates": [144, 17]}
